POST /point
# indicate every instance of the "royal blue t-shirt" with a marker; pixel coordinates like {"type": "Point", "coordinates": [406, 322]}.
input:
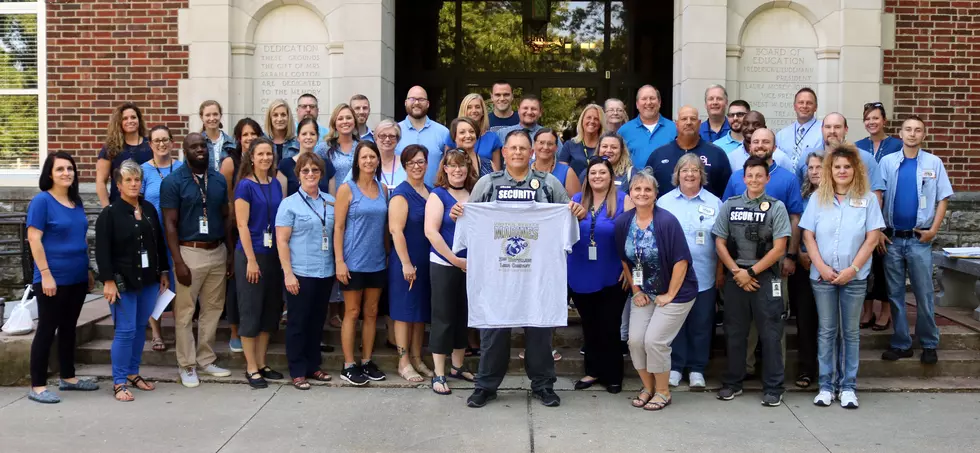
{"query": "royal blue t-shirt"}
{"type": "Point", "coordinates": [139, 153]}
{"type": "Point", "coordinates": [64, 239]}
{"type": "Point", "coordinates": [485, 145]}
{"type": "Point", "coordinates": [590, 276]}
{"type": "Point", "coordinates": [263, 203]}
{"type": "Point", "coordinates": [664, 159]}
{"type": "Point", "coordinates": [887, 146]}
{"type": "Point", "coordinates": [906, 196]}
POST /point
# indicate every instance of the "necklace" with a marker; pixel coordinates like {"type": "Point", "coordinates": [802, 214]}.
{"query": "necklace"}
{"type": "Point", "coordinates": [456, 188]}
{"type": "Point", "coordinates": [554, 164]}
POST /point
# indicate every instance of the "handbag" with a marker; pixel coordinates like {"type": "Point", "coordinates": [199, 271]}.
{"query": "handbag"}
{"type": "Point", "coordinates": [20, 321]}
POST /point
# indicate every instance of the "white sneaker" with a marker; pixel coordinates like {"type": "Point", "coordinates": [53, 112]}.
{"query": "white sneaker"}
{"type": "Point", "coordinates": [216, 371]}
{"type": "Point", "coordinates": [697, 380]}
{"type": "Point", "coordinates": [823, 399]}
{"type": "Point", "coordinates": [675, 378]}
{"type": "Point", "coordinates": [848, 399]}
{"type": "Point", "coordinates": [188, 377]}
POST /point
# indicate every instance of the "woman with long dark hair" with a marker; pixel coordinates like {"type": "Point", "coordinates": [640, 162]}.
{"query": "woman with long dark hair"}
{"type": "Point", "coordinates": [125, 139]}
{"type": "Point", "coordinates": [56, 231]}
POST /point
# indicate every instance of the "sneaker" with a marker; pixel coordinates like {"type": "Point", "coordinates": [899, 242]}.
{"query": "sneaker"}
{"type": "Point", "coordinates": [696, 380]}
{"type": "Point", "coordinates": [675, 378]}
{"type": "Point", "coordinates": [893, 354]}
{"type": "Point", "coordinates": [848, 399]}
{"type": "Point", "coordinates": [235, 345]}
{"type": "Point", "coordinates": [928, 357]}
{"type": "Point", "coordinates": [480, 397]}
{"type": "Point", "coordinates": [581, 351]}
{"type": "Point", "coordinates": [771, 400]}
{"type": "Point", "coordinates": [371, 371]}
{"type": "Point", "coordinates": [215, 370]}
{"type": "Point", "coordinates": [728, 393]}
{"type": "Point", "coordinates": [548, 397]}
{"type": "Point", "coordinates": [823, 399]}
{"type": "Point", "coordinates": [188, 377]}
{"type": "Point", "coordinates": [354, 375]}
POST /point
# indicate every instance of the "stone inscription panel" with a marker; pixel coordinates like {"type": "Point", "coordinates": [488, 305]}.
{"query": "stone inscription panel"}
{"type": "Point", "coordinates": [285, 71]}
{"type": "Point", "coordinates": [769, 77]}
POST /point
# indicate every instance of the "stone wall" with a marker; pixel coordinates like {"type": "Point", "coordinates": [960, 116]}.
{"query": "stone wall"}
{"type": "Point", "coordinates": [961, 227]}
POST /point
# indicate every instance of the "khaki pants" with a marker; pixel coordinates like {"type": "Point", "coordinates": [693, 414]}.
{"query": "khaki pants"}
{"type": "Point", "coordinates": [652, 329]}
{"type": "Point", "coordinates": [754, 333]}
{"type": "Point", "coordinates": [208, 269]}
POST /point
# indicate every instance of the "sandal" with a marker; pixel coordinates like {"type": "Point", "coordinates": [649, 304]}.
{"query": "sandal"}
{"type": "Point", "coordinates": [460, 373]}
{"type": "Point", "coordinates": [640, 401]}
{"type": "Point", "coordinates": [409, 374]}
{"type": "Point", "coordinates": [869, 323]}
{"type": "Point", "coordinates": [159, 345]}
{"type": "Point", "coordinates": [657, 405]}
{"type": "Point", "coordinates": [301, 383]}
{"type": "Point", "coordinates": [124, 390]}
{"type": "Point", "coordinates": [440, 380]}
{"type": "Point", "coordinates": [878, 327]}
{"type": "Point", "coordinates": [803, 381]}
{"type": "Point", "coordinates": [556, 355]}
{"type": "Point", "coordinates": [336, 322]}
{"type": "Point", "coordinates": [319, 375]}
{"type": "Point", "coordinates": [422, 369]}
{"type": "Point", "coordinates": [471, 352]}
{"type": "Point", "coordinates": [138, 380]}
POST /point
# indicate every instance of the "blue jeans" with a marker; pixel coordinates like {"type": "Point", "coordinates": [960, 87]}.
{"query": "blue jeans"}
{"type": "Point", "coordinates": [917, 258]}
{"type": "Point", "coordinates": [130, 314]}
{"type": "Point", "coordinates": [839, 310]}
{"type": "Point", "coordinates": [693, 343]}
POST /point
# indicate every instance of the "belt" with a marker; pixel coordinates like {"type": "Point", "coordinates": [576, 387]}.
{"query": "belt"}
{"type": "Point", "coordinates": [201, 245]}
{"type": "Point", "coordinates": [902, 234]}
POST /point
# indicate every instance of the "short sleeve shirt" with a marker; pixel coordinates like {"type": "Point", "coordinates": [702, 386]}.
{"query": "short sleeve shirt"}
{"type": "Point", "coordinates": [191, 197]}
{"type": "Point", "coordinates": [840, 228]}
{"type": "Point", "coordinates": [743, 219]}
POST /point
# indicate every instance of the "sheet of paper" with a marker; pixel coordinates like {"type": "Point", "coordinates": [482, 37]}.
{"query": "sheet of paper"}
{"type": "Point", "coordinates": [962, 252]}
{"type": "Point", "coordinates": [162, 301]}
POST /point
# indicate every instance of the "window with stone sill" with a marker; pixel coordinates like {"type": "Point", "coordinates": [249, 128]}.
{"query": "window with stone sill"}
{"type": "Point", "coordinates": [22, 94]}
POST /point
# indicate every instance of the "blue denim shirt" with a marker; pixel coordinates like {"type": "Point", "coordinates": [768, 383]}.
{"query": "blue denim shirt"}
{"type": "Point", "coordinates": [697, 216]}
{"type": "Point", "coordinates": [932, 185]}
{"type": "Point", "coordinates": [433, 136]}
{"type": "Point", "coordinates": [727, 143]}
{"type": "Point", "coordinates": [641, 143]}
{"type": "Point", "coordinates": [840, 228]}
{"type": "Point", "coordinates": [215, 155]}
{"type": "Point", "coordinates": [305, 253]}
{"type": "Point", "coordinates": [797, 150]}
{"type": "Point", "coordinates": [289, 149]}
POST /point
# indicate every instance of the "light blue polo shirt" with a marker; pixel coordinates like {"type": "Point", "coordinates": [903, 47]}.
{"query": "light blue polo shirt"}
{"type": "Point", "coordinates": [308, 217]}
{"type": "Point", "coordinates": [727, 143]}
{"type": "Point", "coordinates": [798, 148]}
{"type": "Point", "coordinates": [870, 165]}
{"type": "Point", "coordinates": [840, 228]}
{"type": "Point", "coordinates": [739, 155]}
{"type": "Point", "coordinates": [782, 186]}
{"type": "Point", "coordinates": [433, 136]}
{"type": "Point", "coordinates": [932, 185]}
{"type": "Point", "coordinates": [697, 217]}
{"type": "Point", "coordinates": [641, 142]}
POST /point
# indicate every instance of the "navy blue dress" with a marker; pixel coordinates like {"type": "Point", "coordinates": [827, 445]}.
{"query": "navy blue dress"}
{"type": "Point", "coordinates": [414, 305]}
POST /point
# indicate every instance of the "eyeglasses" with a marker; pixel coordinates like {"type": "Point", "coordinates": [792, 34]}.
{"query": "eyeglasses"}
{"type": "Point", "coordinates": [455, 166]}
{"type": "Point", "coordinates": [737, 114]}
{"type": "Point", "coordinates": [615, 109]}
{"type": "Point", "coordinates": [384, 137]}
{"type": "Point", "coordinates": [160, 141]}
{"type": "Point", "coordinates": [419, 100]}
{"type": "Point", "coordinates": [417, 163]}
{"type": "Point", "coordinates": [307, 106]}
{"type": "Point", "coordinates": [691, 171]}
{"type": "Point", "coordinates": [307, 171]}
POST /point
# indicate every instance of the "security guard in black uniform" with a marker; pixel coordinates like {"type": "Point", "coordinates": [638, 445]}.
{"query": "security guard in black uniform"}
{"type": "Point", "coordinates": [750, 236]}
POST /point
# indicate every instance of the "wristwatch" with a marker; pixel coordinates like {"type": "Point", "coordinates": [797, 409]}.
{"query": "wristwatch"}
{"type": "Point", "coordinates": [752, 272]}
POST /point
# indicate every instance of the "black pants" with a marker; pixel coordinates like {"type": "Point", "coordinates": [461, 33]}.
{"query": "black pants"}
{"type": "Point", "coordinates": [449, 310]}
{"type": "Point", "coordinates": [877, 288]}
{"type": "Point", "coordinates": [602, 314]}
{"type": "Point", "coordinates": [495, 356]}
{"type": "Point", "coordinates": [741, 308]}
{"type": "Point", "coordinates": [304, 325]}
{"type": "Point", "coordinates": [807, 319]}
{"type": "Point", "coordinates": [58, 313]}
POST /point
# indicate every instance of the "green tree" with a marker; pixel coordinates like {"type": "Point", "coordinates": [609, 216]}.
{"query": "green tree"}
{"type": "Point", "coordinates": [18, 70]}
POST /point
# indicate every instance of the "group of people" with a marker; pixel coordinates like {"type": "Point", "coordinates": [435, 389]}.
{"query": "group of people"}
{"type": "Point", "coordinates": [674, 218]}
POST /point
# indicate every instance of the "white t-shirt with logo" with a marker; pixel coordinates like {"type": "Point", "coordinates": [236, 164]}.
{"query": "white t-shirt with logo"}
{"type": "Point", "coordinates": [515, 261]}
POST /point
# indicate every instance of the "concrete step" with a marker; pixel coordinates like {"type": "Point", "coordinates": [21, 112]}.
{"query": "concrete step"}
{"type": "Point", "coordinates": [951, 362]}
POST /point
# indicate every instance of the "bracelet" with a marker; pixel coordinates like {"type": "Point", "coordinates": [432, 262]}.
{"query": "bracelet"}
{"type": "Point", "coordinates": [41, 270]}
{"type": "Point", "coordinates": [856, 269]}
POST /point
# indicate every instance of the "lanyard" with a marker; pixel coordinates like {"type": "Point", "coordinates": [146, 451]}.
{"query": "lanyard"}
{"type": "Point", "coordinates": [323, 220]}
{"type": "Point", "coordinates": [636, 244]}
{"type": "Point", "coordinates": [267, 194]}
{"type": "Point", "coordinates": [595, 213]}
{"type": "Point", "coordinates": [203, 190]}
{"type": "Point", "coordinates": [158, 168]}
{"type": "Point", "coordinates": [384, 179]}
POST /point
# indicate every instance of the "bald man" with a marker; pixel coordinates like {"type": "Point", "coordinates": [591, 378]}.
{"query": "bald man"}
{"type": "Point", "coordinates": [688, 140]}
{"type": "Point", "coordinates": [418, 129]}
{"type": "Point", "coordinates": [834, 131]}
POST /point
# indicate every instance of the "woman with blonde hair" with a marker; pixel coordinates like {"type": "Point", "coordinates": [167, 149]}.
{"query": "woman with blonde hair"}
{"type": "Point", "coordinates": [487, 144]}
{"type": "Point", "coordinates": [125, 139]}
{"type": "Point", "coordinates": [219, 143]}
{"type": "Point", "coordinates": [281, 130]}
{"type": "Point", "coordinates": [576, 152]}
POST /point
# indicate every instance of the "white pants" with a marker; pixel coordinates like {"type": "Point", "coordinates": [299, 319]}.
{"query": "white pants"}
{"type": "Point", "coordinates": [652, 329]}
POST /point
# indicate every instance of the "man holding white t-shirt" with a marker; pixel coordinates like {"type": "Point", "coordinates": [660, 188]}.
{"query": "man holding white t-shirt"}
{"type": "Point", "coordinates": [514, 246]}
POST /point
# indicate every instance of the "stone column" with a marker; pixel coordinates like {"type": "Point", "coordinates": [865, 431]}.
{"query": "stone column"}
{"type": "Point", "coordinates": [699, 50]}
{"type": "Point", "coordinates": [364, 62]}
{"type": "Point", "coordinates": [205, 28]}
{"type": "Point", "coordinates": [860, 59]}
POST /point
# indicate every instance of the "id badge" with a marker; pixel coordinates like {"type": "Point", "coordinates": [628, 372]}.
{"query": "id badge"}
{"type": "Point", "coordinates": [699, 237]}
{"type": "Point", "coordinates": [593, 253]}
{"type": "Point", "coordinates": [324, 243]}
{"type": "Point", "coordinates": [777, 288]}
{"type": "Point", "coordinates": [203, 225]}
{"type": "Point", "coordinates": [144, 259]}
{"type": "Point", "coordinates": [922, 202]}
{"type": "Point", "coordinates": [267, 239]}
{"type": "Point", "coordinates": [637, 276]}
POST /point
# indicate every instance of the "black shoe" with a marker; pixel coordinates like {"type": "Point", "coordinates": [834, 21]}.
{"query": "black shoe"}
{"type": "Point", "coordinates": [480, 397]}
{"type": "Point", "coordinates": [625, 348]}
{"type": "Point", "coordinates": [326, 347]}
{"type": "Point", "coordinates": [372, 372]}
{"type": "Point", "coordinates": [929, 356]}
{"type": "Point", "coordinates": [256, 382]}
{"type": "Point", "coordinates": [719, 318]}
{"type": "Point", "coordinates": [269, 373]}
{"type": "Point", "coordinates": [354, 375]}
{"type": "Point", "coordinates": [391, 345]}
{"type": "Point", "coordinates": [893, 354]}
{"type": "Point", "coordinates": [728, 393]}
{"type": "Point", "coordinates": [548, 397]}
{"type": "Point", "coordinates": [583, 384]}
{"type": "Point", "coordinates": [614, 389]}
{"type": "Point", "coordinates": [581, 351]}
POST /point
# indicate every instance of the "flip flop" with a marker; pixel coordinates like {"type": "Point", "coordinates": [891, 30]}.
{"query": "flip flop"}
{"type": "Point", "coordinates": [440, 380]}
{"type": "Point", "coordinates": [458, 373]}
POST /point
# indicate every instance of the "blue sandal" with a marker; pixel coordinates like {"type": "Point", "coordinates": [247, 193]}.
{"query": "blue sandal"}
{"type": "Point", "coordinates": [440, 380]}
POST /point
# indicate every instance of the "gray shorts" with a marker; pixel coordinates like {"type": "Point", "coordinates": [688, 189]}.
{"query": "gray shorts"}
{"type": "Point", "coordinates": [259, 304]}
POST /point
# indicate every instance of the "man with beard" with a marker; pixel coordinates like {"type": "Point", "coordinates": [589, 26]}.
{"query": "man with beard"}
{"type": "Point", "coordinates": [733, 139]}
{"type": "Point", "coordinates": [307, 106]}
{"type": "Point", "coordinates": [737, 157]}
{"type": "Point", "coordinates": [616, 116]}
{"type": "Point", "coordinates": [361, 106]}
{"type": "Point", "coordinates": [502, 115]}
{"type": "Point", "coordinates": [649, 130]}
{"type": "Point", "coordinates": [418, 129]}
{"type": "Point", "coordinates": [194, 200]}
{"type": "Point", "coordinates": [663, 160]}
{"type": "Point", "coordinates": [715, 100]}
{"type": "Point", "coordinates": [802, 137]}
{"type": "Point", "coordinates": [834, 131]}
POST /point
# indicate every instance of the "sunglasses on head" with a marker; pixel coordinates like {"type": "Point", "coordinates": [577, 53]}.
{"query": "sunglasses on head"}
{"type": "Point", "coordinates": [597, 159]}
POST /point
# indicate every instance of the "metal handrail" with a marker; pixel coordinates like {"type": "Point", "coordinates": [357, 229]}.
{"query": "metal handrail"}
{"type": "Point", "coordinates": [26, 258]}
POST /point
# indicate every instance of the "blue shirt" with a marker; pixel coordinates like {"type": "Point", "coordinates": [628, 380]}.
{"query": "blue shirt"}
{"type": "Point", "coordinates": [782, 186]}
{"type": "Point", "coordinates": [906, 198]}
{"type": "Point", "coordinates": [840, 228]}
{"type": "Point", "coordinates": [433, 136]}
{"type": "Point", "coordinates": [368, 134]}
{"type": "Point", "coordinates": [364, 232]}
{"type": "Point", "coordinates": [139, 153]}
{"type": "Point", "coordinates": [152, 178]}
{"type": "Point", "coordinates": [727, 143]}
{"type": "Point", "coordinates": [290, 148]}
{"type": "Point", "coordinates": [218, 150]}
{"type": "Point", "coordinates": [181, 191]}
{"type": "Point", "coordinates": [797, 147]}
{"type": "Point", "coordinates": [870, 166]}
{"type": "Point", "coordinates": [931, 185]}
{"type": "Point", "coordinates": [715, 161]}
{"type": "Point", "coordinates": [497, 123]}
{"type": "Point", "coordinates": [697, 216]}
{"type": "Point", "coordinates": [342, 162]}
{"type": "Point", "coordinates": [308, 220]}
{"type": "Point", "coordinates": [263, 202]}
{"type": "Point", "coordinates": [532, 131]}
{"type": "Point", "coordinates": [590, 276]}
{"type": "Point", "coordinates": [447, 229]}
{"type": "Point", "coordinates": [560, 172]}
{"type": "Point", "coordinates": [576, 155]}
{"type": "Point", "coordinates": [739, 155]}
{"type": "Point", "coordinates": [887, 146]}
{"type": "Point", "coordinates": [389, 179]}
{"type": "Point", "coordinates": [288, 169]}
{"type": "Point", "coordinates": [322, 130]}
{"type": "Point", "coordinates": [64, 240]}
{"type": "Point", "coordinates": [709, 135]}
{"type": "Point", "coordinates": [485, 145]}
{"type": "Point", "coordinates": [641, 143]}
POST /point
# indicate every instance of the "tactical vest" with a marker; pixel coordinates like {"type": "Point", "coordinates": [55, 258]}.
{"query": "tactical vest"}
{"type": "Point", "coordinates": [500, 179]}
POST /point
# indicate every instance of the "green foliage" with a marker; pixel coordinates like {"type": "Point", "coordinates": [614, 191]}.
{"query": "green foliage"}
{"type": "Point", "coordinates": [18, 70]}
